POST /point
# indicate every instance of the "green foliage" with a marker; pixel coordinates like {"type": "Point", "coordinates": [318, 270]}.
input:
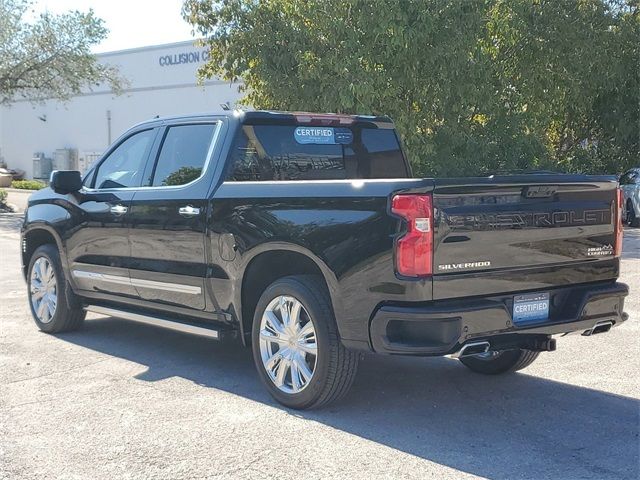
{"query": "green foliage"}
{"type": "Point", "coordinates": [182, 176]}
{"type": "Point", "coordinates": [27, 184]}
{"type": "Point", "coordinates": [49, 57]}
{"type": "Point", "coordinates": [474, 86]}
{"type": "Point", "coordinates": [3, 197]}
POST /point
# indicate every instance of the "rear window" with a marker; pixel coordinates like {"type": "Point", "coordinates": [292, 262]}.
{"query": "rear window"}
{"type": "Point", "coordinates": [301, 152]}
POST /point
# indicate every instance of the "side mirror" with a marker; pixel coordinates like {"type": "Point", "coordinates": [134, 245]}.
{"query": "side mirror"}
{"type": "Point", "coordinates": [65, 181]}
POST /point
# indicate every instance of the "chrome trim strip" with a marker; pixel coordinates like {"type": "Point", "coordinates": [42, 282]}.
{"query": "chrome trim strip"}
{"type": "Point", "coordinates": [357, 181]}
{"type": "Point", "coordinates": [138, 282]}
{"type": "Point", "coordinates": [102, 277]}
{"type": "Point", "coordinates": [151, 320]}
{"type": "Point", "coordinates": [171, 287]}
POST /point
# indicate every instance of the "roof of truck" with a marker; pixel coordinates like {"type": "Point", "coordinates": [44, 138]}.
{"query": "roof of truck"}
{"type": "Point", "coordinates": [268, 116]}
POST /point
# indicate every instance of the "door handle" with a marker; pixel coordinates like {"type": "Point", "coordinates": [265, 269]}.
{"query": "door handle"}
{"type": "Point", "coordinates": [118, 210]}
{"type": "Point", "coordinates": [189, 211]}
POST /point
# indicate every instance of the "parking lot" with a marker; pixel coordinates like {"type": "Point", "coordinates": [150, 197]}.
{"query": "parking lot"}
{"type": "Point", "coordinates": [122, 400]}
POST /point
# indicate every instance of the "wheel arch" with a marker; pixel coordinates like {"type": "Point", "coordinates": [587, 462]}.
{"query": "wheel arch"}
{"type": "Point", "coordinates": [266, 265]}
{"type": "Point", "coordinates": [36, 235]}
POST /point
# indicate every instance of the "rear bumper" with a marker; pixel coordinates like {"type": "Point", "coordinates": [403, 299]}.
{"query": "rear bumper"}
{"type": "Point", "coordinates": [443, 327]}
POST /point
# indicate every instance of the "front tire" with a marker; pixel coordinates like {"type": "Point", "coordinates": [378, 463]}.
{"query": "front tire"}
{"type": "Point", "coordinates": [497, 362]}
{"type": "Point", "coordinates": [48, 293]}
{"type": "Point", "coordinates": [296, 347]}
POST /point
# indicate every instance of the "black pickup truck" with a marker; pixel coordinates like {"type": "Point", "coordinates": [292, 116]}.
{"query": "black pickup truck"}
{"type": "Point", "coordinates": [305, 236]}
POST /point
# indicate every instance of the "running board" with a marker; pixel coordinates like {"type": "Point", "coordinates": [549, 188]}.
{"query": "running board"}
{"type": "Point", "coordinates": [179, 325]}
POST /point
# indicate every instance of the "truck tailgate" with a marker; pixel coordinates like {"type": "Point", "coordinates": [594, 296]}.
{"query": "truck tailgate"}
{"type": "Point", "coordinates": [518, 233]}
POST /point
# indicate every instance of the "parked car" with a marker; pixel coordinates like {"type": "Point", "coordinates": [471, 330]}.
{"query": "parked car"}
{"type": "Point", "coordinates": [630, 185]}
{"type": "Point", "coordinates": [306, 237]}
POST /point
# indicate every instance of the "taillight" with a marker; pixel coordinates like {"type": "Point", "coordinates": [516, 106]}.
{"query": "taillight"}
{"type": "Point", "coordinates": [414, 250]}
{"type": "Point", "coordinates": [618, 225]}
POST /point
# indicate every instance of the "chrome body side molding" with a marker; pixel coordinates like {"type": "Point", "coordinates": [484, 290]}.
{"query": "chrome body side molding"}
{"type": "Point", "coordinates": [102, 277]}
{"type": "Point", "coordinates": [138, 282]}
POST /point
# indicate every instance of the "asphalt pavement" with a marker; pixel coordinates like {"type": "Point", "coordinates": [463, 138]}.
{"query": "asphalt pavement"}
{"type": "Point", "coordinates": [129, 401]}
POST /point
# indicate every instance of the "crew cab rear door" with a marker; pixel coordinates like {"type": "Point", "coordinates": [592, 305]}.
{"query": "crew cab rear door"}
{"type": "Point", "coordinates": [515, 233]}
{"type": "Point", "coordinates": [168, 216]}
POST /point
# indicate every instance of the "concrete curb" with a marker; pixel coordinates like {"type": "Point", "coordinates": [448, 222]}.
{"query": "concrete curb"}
{"type": "Point", "coordinates": [17, 190]}
{"type": "Point", "coordinates": [19, 198]}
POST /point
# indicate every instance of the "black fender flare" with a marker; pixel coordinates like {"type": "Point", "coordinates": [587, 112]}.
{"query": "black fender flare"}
{"type": "Point", "coordinates": [248, 257]}
{"type": "Point", "coordinates": [36, 220]}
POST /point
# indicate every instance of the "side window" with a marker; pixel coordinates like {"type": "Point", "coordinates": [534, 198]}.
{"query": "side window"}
{"type": "Point", "coordinates": [183, 154]}
{"type": "Point", "coordinates": [123, 168]}
{"type": "Point", "coordinates": [384, 154]}
{"type": "Point", "coordinates": [630, 178]}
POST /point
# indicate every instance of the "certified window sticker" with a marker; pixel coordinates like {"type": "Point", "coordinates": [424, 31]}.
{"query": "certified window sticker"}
{"type": "Point", "coordinates": [322, 135]}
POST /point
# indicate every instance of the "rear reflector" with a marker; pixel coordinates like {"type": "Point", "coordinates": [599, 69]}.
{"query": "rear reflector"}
{"type": "Point", "coordinates": [414, 250]}
{"type": "Point", "coordinates": [618, 223]}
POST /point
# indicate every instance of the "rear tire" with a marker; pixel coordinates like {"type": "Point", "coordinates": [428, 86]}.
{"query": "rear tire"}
{"type": "Point", "coordinates": [497, 362]}
{"type": "Point", "coordinates": [293, 319]}
{"type": "Point", "coordinates": [50, 296]}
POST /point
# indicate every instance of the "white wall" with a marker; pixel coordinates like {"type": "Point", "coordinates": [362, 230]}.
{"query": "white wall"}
{"type": "Point", "coordinates": [81, 123]}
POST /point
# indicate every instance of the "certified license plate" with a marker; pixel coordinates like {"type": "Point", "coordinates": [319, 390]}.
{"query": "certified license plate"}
{"type": "Point", "coordinates": [530, 308]}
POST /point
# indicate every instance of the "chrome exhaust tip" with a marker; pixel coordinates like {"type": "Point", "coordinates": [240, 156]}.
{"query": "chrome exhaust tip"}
{"type": "Point", "coordinates": [473, 348]}
{"type": "Point", "coordinates": [600, 327]}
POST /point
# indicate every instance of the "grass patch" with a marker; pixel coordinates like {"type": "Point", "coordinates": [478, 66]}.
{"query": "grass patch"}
{"type": "Point", "coordinates": [27, 184]}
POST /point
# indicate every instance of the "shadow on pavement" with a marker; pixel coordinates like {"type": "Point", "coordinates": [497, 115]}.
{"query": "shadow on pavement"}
{"type": "Point", "coordinates": [496, 427]}
{"type": "Point", "coordinates": [11, 222]}
{"type": "Point", "coordinates": [631, 243]}
{"type": "Point", "coordinates": [512, 426]}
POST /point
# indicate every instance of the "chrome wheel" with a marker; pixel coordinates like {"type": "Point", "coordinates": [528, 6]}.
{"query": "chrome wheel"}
{"type": "Point", "coordinates": [44, 293]}
{"type": "Point", "coordinates": [288, 346]}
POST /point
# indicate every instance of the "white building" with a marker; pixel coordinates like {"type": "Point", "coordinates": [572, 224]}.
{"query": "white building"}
{"type": "Point", "coordinates": [162, 81]}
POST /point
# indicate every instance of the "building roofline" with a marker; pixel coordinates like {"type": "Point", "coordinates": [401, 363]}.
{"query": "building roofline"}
{"type": "Point", "coordinates": [185, 43]}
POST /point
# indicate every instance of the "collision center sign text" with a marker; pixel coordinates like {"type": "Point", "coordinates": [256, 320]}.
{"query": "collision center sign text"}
{"type": "Point", "coordinates": [182, 58]}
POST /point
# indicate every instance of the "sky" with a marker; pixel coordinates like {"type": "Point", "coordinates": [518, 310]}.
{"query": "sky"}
{"type": "Point", "coordinates": [131, 23]}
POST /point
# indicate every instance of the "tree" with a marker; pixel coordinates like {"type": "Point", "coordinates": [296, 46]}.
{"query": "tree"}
{"type": "Point", "coordinates": [49, 57]}
{"type": "Point", "coordinates": [182, 176]}
{"type": "Point", "coordinates": [474, 86]}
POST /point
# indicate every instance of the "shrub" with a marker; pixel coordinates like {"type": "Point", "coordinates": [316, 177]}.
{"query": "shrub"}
{"type": "Point", "coordinates": [3, 197]}
{"type": "Point", "coordinates": [27, 184]}
{"type": "Point", "coordinates": [474, 87]}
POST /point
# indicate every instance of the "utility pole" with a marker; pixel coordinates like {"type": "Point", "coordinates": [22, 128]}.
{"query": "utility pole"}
{"type": "Point", "coordinates": [108, 127]}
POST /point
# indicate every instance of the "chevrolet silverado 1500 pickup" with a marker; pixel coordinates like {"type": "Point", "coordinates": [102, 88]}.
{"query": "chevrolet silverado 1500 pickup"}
{"type": "Point", "coordinates": [305, 236]}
